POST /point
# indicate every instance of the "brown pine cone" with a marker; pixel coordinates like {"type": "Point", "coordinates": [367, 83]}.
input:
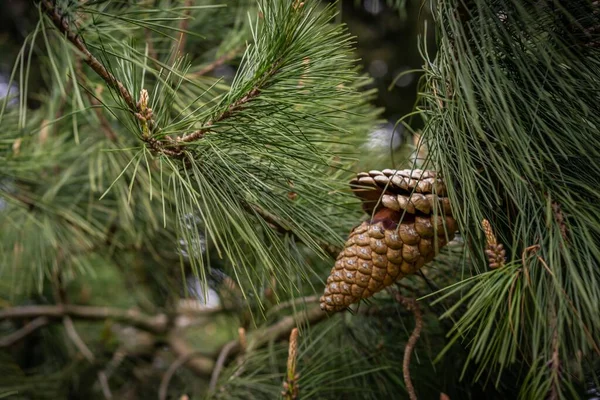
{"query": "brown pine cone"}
{"type": "Point", "coordinates": [385, 249]}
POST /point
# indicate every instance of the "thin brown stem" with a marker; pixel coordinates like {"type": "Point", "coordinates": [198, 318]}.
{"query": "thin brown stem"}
{"type": "Point", "coordinates": [103, 379]}
{"type": "Point", "coordinates": [151, 50]}
{"type": "Point", "coordinates": [183, 27]}
{"type": "Point", "coordinates": [234, 107]}
{"type": "Point", "coordinates": [217, 63]}
{"type": "Point", "coordinates": [156, 324]}
{"type": "Point", "coordinates": [23, 332]}
{"type": "Point", "coordinates": [214, 379]}
{"type": "Point", "coordinates": [63, 26]}
{"type": "Point", "coordinates": [166, 379]}
{"type": "Point", "coordinates": [76, 339]}
{"type": "Point", "coordinates": [279, 330]}
{"type": "Point", "coordinates": [293, 302]}
{"type": "Point", "coordinates": [411, 305]}
{"type": "Point", "coordinates": [201, 365]}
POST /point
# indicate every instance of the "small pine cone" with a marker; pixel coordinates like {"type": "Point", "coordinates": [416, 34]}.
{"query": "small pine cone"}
{"type": "Point", "coordinates": [495, 251]}
{"type": "Point", "coordinates": [496, 255]}
{"type": "Point", "coordinates": [380, 252]}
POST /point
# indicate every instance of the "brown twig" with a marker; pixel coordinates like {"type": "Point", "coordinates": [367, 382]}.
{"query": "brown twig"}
{"type": "Point", "coordinates": [63, 26]}
{"type": "Point", "coordinates": [411, 305]}
{"type": "Point", "coordinates": [103, 379]}
{"type": "Point", "coordinates": [156, 324]}
{"type": "Point", "coordinates": [183, 26]}
{"type": "Point", "coordinates": [26, 330]}
{"type": "Point", "coordinates": [234, 107]}
{"type": "Point", "coordinates": [280, 329]}
{"type": "Point", "coordinates": [166, 379]}
{"type": "Point", "coordinates": [151, 50]}
{"type": "Point", "coordinates": [293, 302]}
{"type": "Point", "coordinates": [200, 364]}
{"type": "Point", "coordinates": [71, 332]}
{"type": "Point", "coordinates": [76, 339]}
{"type": "Point", "coordinates": [217, 63]}
{"type": "Point", "coordinates": [214, 379]}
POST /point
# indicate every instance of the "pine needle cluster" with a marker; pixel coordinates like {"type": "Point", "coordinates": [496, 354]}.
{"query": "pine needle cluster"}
{"type": "Point", "coordinates": [511, 102]}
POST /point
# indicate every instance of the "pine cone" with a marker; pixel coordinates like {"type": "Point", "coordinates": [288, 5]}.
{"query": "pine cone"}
{"type": "Point", "coordinates": [385, 249]}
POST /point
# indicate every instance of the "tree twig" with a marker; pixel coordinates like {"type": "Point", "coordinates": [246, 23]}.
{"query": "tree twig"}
{"type": "Point", "coordinates": [156, 324]}
{"type": "Point", "coordinates": [217, 63]}
{"type": "Point", "coordinates": [26, 330]}
{"type": "Point", "coordinates": [293, 302]}
{"type": "Point", "coordinates": [166, 379]}
{"type": "Point", "coordinates": [280, 329]}
{"type": "Point", "coordinates": [76, 339]}
{"type": "Point", "coordinates": [233, 107]}
{"type": "Point", "coordinates": [183, 26]}
{"type": "Point", "coordinates": [219, 365]}
{"type": "Point", "coordinates": [63, 26]}
{"type": "Point", "coordinates": [71, 332]}
{"type": "Point", "coordinates": [411, 305]}
{"type": "Point", "coordinates": [103, 379]}
{"type": "Point", "coordinates": [200, 364]}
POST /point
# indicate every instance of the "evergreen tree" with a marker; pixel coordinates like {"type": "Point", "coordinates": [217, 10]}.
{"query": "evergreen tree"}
{"type": "Point", "coordinates": [167, 230]}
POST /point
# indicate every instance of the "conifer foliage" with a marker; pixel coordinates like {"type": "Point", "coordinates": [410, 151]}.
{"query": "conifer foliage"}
{"type": "Point", "coordinates": [175, 193]}
{"type": "Point", "coordinates": [513, 125]}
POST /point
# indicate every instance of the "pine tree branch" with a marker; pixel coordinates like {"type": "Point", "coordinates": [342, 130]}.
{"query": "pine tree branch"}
{"type": "Point", "coordinates": [63, 26]}
{"type": "Point", "coordinates": [233, 108]}
{"type": "Point", "coordinates": [27, 329]}
{"type": "Point", "coordinates": [236, 106]}
{"type": "Point", "coordinates": [156, 324]}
